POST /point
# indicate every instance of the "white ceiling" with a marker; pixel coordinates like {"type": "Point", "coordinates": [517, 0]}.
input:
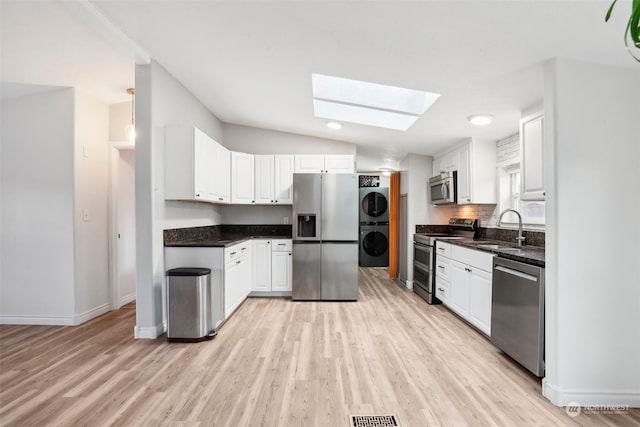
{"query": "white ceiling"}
{"type": "Point", "coordinates": [250, 63]}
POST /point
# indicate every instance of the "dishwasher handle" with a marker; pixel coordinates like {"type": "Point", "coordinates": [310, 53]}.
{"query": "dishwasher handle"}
{"type": "Point", "coordinates": [516, 273]}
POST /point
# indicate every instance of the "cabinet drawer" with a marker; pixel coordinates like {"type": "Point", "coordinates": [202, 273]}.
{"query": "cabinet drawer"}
{"type": "Point", "coordinates": [442, 267]}
{"type": "Point", "coordinates": [281, 245]}
{"type": "Point", "coordinates": [235, 251]}
{"type": "Point", "coordinates": [442, 290]}
{"type": "Point", "coordinates": [473, 258]}
{"type": "Point", "coordinates": [443, 249]}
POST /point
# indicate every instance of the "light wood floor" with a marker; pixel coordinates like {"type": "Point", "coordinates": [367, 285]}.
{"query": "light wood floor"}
{"type": "Point", "coordinates": [277, 363]}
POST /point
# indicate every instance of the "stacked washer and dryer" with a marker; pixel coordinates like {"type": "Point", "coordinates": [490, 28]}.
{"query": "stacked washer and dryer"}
{"type": "Point", "coordinates": [374, 227]}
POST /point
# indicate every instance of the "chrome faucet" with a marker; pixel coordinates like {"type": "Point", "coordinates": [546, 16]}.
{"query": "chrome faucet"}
{"type": "Point", "coordinates": [520, 239]}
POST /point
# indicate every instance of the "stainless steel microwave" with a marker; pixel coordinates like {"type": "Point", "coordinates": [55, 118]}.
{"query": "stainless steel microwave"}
{"type": "Point", "coordinates": [443, 188]}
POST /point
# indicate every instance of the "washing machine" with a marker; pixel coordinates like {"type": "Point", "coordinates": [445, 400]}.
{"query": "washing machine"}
{"type": "Point", "coordinates": [374, 245]}
{"type": "Point", "coordinates": [374, 205]}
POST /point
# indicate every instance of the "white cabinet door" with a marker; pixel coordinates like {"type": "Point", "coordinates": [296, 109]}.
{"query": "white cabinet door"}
{"type": "Point", "coordinates": [222, 174]}
{"type": "Point", "coordinates": [188, 168]}
{"type": "Point", "coordinates": [480, 299]}
{"type": "Point", "coordinates": [242, 182]}
{"type": "Point", "coordinates": [261, 254]}
{"type": "Point", "coordinates": [205, 156]}
{"type": "Point", "coordinates": [309, 163]}
{"type": "Point", "coordinates": [532, 162]}
{"type": "Point", "coordinates": [339, 163]}
{"type": "Point", "coordinates": [281, 271]}
{"type": "Point", "coordinates": [232, 291]}
{"type": "Point", "coordinates": [464, 174]}
{"type": "Point", "coordinates": [264, 179]}
{"type": "Point", "coordinates": [460, 288]}
{"type": "Point", "coordinates": [283, 179]}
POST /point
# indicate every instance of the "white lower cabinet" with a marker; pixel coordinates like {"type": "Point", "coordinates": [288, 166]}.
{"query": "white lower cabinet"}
{"type": "Point", "coordinates": [261, 266]}
{"type": "Point", "coordinates": [237, 275]}
{"type": "Point", "coordinates": [463, 283]}
{"type": "Point", "coordinates": [272, 266]}
{"type": "Point", "coordinates": [281, 269]}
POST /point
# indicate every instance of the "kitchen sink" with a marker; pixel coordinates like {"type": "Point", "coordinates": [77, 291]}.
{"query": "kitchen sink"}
{"type": "Point", "coordinates": [500, 248]}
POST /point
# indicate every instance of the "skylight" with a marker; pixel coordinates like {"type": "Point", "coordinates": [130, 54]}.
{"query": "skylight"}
{"type": "Point", "coordinates": [369, 104]}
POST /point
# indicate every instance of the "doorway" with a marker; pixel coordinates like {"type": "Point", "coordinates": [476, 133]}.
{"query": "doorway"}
{"type": "Point", "coordinates": [122, 226]}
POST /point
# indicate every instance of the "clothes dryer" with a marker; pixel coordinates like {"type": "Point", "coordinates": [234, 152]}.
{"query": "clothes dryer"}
{"type": "Point", "coordinates": [374, 245]}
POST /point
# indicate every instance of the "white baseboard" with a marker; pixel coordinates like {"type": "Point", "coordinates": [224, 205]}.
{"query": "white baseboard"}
{"type": "Point", "coordinates": [127, 299]}
{"type": "Point", "coordinates": [408, 284]}
{"type": "Point", "coordinates": [74, 320]}
{"type": "Point", "coordinates": [37, 320]}
{"type": "Point", "coordinates": [563, 397]}
{"type": "Point", "coordinates": [90, 314]}
{"type": "Point", "coordinates": [149, 332]}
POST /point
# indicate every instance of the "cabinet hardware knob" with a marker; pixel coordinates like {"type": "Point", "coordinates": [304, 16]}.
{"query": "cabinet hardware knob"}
{"type": "Point", "coordinates": [289, 254]}
{"type": "Point", "coordinates": [441, 266]}
{"type": "Point", "coordinates": [441, 290]}
{"type": "Point", "coordinates": [238, 262]}
{"type": "Point", "coordinates": [233, 253]}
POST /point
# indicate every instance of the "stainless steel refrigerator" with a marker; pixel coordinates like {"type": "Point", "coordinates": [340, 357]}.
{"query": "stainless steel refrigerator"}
{"type": "Point", "coordinates": [325, 237]}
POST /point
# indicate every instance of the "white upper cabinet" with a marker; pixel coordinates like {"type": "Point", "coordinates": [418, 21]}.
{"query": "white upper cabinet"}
{"type": "Point", "coordinates": [532, 163]}
{"type": "Point", "coordinates": [274, 179]}
{"type": "Point", "coordinates": [242, 178]}
{"type": "Point", "coordinates": [330, 163]}
{"type": "Point", "coordinates": [447, 162]}
{"type": "Point", "coordinates": [222, 175]}
{"type": "Point", "coordinates": [264, 179]}
{"type": "Point", "coordinates": [192, 163]}
{"type": "Point", "coordinates": [339, 163]}
{"type": "Point", "coordinates": [283, 179]}
{"type": "Point", "coordinates": [475, 162]}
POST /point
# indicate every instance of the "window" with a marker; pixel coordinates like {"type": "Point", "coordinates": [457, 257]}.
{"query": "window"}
{"type": "Point", "coordinates": [532, 212]}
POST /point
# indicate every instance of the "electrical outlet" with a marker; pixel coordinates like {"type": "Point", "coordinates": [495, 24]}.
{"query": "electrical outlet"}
{"type": "Point", "coordinates": [285, 220]}
{"type": "Point", "coordinates": [85, 215]}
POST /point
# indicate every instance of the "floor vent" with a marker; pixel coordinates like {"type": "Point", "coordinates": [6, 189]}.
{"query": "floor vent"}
{"type": "Point", "coordinates": [374, 421]}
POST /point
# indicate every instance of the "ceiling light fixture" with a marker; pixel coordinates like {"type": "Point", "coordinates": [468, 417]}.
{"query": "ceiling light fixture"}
{"type": "Point", "coordinates": [480, 119]}
{"type": "Point", "coordinates": [130, 129]}
{"type": "Point", "coordinates": [386, 171]}
{"type": "Point", "coordinates": [367, 103]}
{"type": "Point", "coordinates": [334, 125]}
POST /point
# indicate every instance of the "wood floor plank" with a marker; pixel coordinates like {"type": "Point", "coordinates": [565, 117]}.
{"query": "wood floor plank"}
{"type": "Point", "coordinates": [278, 363]}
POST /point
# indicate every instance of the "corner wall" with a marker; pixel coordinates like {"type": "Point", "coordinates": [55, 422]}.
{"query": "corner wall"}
{"type": "Point", "coordinates": [592, 289]}
{"type": "Point", "coordinates": [161, 100]}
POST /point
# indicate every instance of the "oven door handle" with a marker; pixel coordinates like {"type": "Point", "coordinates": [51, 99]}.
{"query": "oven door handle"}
{"type": "Point", "coordinates": [419, 266]}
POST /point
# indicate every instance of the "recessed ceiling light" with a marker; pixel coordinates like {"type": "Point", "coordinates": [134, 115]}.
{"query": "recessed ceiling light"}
{"type": "Point", "coordinates": [366, 103]}
{"type": "Point", "coordinates": [334, 125]}
{"type": "Point", "coordinates": [480, 119]}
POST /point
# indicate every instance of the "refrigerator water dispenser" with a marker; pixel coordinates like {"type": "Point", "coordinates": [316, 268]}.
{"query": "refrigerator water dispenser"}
{"type": "Point", "coordinates": [306, 225]}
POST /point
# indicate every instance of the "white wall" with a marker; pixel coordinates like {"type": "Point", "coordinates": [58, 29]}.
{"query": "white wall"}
{"type": "Point", "coordinates": [37, 284]}
{"type": "Point", "coordinates": [54, 166]}
{"type": "Point", "coordinates": [119, 118]}
{"type": "Point", "coordinates": [592, 287]}
{"type": "Point", "coordinates": [90, 189]}
{"type": "Point", "coordinates": [261, 141]}
{"type": "Point", "coordinates": [414, 176]}
{"type": "Point", "coordinates": [256, 214]}
{"type": "Point", "coordinates": [161, 100]}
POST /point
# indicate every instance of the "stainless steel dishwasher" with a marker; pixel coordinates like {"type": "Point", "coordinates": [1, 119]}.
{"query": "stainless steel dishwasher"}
{"type": "Point", "coordinates": [517, 312]}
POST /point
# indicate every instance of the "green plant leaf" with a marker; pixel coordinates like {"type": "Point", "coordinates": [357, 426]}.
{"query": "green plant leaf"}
{"type": "Point", "coordinates": [634, 23]}
{"type": "Point", "coordinates": [606, 18]}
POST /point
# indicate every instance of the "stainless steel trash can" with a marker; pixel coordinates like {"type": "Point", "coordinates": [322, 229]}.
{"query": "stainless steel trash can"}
{"type": "Point", "coordinates": [189, 316]}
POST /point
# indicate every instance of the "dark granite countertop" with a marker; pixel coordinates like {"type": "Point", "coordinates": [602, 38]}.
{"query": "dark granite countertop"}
{"type": "Point", "coordinates": [533, 255]}
{"type": "Point", "coordinates": [221, 236]}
